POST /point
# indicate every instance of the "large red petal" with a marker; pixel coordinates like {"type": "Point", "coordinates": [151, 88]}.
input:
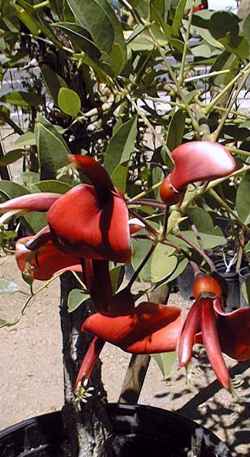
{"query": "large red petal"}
{"type": "Point", "coordinates": [137, 331]}
{"type": "Point", "coordinates": [31, 202]}
{"type": "Point", "coordinates": [91, 227]}
{"type": "Point", "coordinates": [234, 332]}
{"type": "Point", "coordinates": [200, 161]}
{"type": "Point", "coordinates": [43, 263]}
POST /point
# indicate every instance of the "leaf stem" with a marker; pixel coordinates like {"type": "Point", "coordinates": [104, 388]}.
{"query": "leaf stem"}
{"type": "Point", "coordinates": [197, 249]}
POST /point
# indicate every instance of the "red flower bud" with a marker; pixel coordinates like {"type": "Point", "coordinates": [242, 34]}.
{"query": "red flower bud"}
{"type": "Point", "coordinates": [196, 161]}
{"type": "Point", "coordinates": [206, 285]}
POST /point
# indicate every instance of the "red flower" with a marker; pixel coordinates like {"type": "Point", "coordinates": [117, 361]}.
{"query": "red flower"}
{"type": "Point", "coordinates": [195, 161]}
{"type": "Point", "coordinates": [43, 263]}
{"type": "Point", "coordinates": [148, 328]}
{"type": "Point", "coordinates": [92, 220]}
{"type": "Point", "coordinates": [220, 331]}
{"type": "Point", "coordinates": [87, 221]}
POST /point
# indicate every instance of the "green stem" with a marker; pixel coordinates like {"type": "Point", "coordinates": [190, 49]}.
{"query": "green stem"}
{"type": "Point", "coordinates": [41, 5]}
{"type": "Point", "coordinates": [197, 249]}
{"type": "Point", "coordinates": [185, 48]}
{"type": "Point", "coordinates": [145, 192]}
{"type": "Point", "coordinates": [227, 208]}
{"type": "Point", "coordinates": [217, 132]}
{"type": "Point", "coordinates": [226, 89]}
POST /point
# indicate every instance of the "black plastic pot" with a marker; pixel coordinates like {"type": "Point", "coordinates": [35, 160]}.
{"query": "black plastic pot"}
{"type": "Point", "coordinates": [138, 431]}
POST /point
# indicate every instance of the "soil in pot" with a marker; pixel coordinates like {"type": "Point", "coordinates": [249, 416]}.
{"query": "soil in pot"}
{"type": "Point", "coordinates": [138, 431]}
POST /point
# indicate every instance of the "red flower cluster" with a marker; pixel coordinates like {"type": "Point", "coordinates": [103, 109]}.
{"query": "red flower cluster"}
{"type": "Point", "coordinates": [89, 226]}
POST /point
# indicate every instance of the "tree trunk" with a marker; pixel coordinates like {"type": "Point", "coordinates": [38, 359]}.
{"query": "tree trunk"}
{"type": "Point", "coordinates": [87, 425]}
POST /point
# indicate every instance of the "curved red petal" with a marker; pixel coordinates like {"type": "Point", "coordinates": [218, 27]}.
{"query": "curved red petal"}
{"type": "Point", "coordinates": [93, 170]}
{"type": "Point", "coordinates": [200, 161]}
{"type": "Point", "coordinates": [212, 342]}
{"type": "Point", "coordinates": [234, 332]}
{"type": "Point", "coordinates": [89, 227]}
{"type": "Point", "coordinates": [43, 263]}
{"type": "Point", "coordinates": [32, 202]}
{"type": "Point", "coordinates": [138, 326]}
{"type": "Point", "coordinates": [191, 326]}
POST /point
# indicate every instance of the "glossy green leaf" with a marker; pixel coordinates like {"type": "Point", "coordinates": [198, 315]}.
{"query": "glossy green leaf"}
{"type": "Point", "coordinates": [75, 298]}
{"type": "Point", "coordinates": [52, 149]}
{"type": "Point", "coordinates": [94, 16]}
{"type": "Point", "coordinates": [8, 287]}
{"type": "Point", "coordinates": [11, 156]}
{"type": "Point", "coordinates": [163, 262]}
{"type": "Point", "coordinates": [121, 145]}
{"type": "Point", "coordinates": [69, 101]}
{"type": "Point", "coordinates": [243, 199]}
{"type": "Point", "coordinates": [176, 130]}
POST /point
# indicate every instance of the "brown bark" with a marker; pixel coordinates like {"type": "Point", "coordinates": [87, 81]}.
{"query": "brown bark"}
{"type": "Point", "coordinates": [87, 424]}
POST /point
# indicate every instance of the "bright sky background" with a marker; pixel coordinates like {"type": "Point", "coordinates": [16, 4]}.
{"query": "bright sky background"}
{"type": "Point", "coordinates": [230, 5]}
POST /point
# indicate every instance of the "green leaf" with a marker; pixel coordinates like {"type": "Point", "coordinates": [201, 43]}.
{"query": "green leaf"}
{"type": "Point", "coordinates": [11, 156]}
{"type": "Point", "coordinates": [176, 130]}
{"type": "Point", "coordinates": [23, 99]}
{"type": "Point", "coordinates": [27, 139]}
{"type": "Point", "coordinates": [52, 185]}
{"type": "Point", "coordinates": [140, 249]}
{"type": "Point", "coordinates": [35, 220]}
{"type": "Point", "coordinates": [224, 23]}
{"type": "Point", "coordinates": [179, 14]}
{"type": "Point", "coordinates": [208, 241]}
{"type": "Point", "coordinates": [53, 81]}
{"type": "Point", "coordinates": [52, 149]}
{"type": "Point", "coordinates": [163, 262]}
{"type": "Point", "coordinates": [75, 298]}
{"type": "Point", "coordinates": [11, 189]}
{"type": "Point", "coordinates": [116, 277]}
{"type": "Point", "coordinates": [243, 199]}
{"type": "Point", "coordinates": [142, 7]}
{"type": "Point", "coordinates": [80, 38]}
{"type": "Point", "coordinates": [27, 19]}
{"type": "Point", "coordinates": [121, 145]}
{"type": "Point", "coordinates": [69, 101]}
{"type": "Point", "coordinates": [119, 177]}
{"type": "Point", "coordinates": [8, 287]}
{"type": "Point", "coordinates": [165, 361]}
{"type": "Point", "coordinates": [93, 15]}
{"type": "Point", "coordinates": [181, 266]}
